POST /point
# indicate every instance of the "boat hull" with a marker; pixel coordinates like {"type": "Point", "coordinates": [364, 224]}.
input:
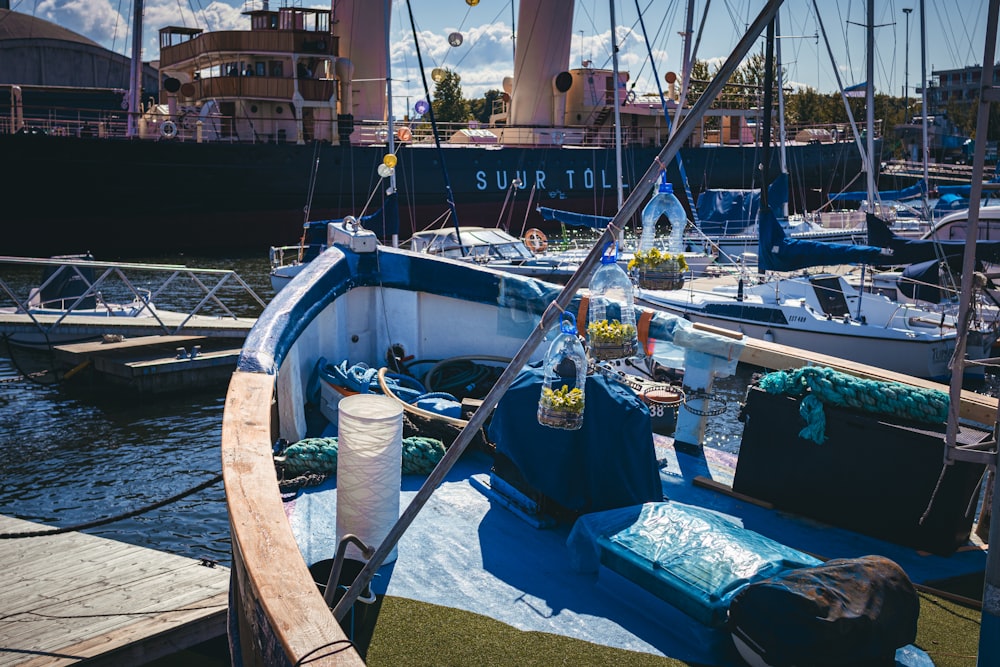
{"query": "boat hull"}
{"type": "Point", "coordinates": [66, 192]}
{"type": "Point", "coordinates": [918, 354]}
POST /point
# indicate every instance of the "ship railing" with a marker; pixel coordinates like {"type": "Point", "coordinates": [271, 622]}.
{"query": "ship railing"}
{"type": "Point", "coordinates": [176, 297]}
{"type": "Point", "coordinates": [76, 123]}
{"type": "Point", "coordinates": [712, 131]}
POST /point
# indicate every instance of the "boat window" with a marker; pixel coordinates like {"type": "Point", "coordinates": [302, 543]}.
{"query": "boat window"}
{"type": "Point", "coordinates": [275, 68]}
{"type": "Point", "coordinates": [830, 295]}
{"type": "Point", "coordinates": [512, 251]}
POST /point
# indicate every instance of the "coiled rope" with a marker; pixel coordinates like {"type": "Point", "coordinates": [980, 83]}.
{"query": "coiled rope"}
{"type": "Point", "coordinates": [819, 386]}
{"type": "Point", "coordinates": [319, 456]}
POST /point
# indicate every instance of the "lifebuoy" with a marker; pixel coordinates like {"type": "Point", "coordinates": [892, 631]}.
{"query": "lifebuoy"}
{"type": "Point", "coordinates": [404, 134]}
{"type": "Point", "coordinates": [536, 240]}
{"type": "Point", "coordinates": [168, 129]}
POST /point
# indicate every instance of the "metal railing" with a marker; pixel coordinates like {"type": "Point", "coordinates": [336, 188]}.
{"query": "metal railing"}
{"type": "Point", "coordinates": [123, 289]}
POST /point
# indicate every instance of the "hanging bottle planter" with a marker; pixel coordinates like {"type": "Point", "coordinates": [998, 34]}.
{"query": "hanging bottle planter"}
{"type": "Point", "coordinates": [564, 378]}
{"type": "Point", "coordinates": [655, 269]}
{"type": "Point", "coordinates": [611, 330]}
{"type": "Point", "coordinates": [658, 270]}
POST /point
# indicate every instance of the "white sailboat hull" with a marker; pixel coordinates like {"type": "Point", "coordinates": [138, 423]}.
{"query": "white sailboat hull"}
{"type": "Point", "coordinates": [885, 334]}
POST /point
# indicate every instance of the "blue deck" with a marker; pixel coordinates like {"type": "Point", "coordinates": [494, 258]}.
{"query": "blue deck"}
{"type": "Point", "coordinates": [465, 551]}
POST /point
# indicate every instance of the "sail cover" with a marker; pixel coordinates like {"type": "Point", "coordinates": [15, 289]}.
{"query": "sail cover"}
{"type": "Point", "coordinates": [735, 211]}
{"type": "Point", "coordinates": [916, 190]}
{"type": "Point", "coordinates": [912, 251]}
{"type": "Point", "coordinates": [777, 252]}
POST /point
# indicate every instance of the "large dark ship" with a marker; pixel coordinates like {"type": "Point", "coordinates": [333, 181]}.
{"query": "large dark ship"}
{"type": "Point", "coordinates": [253, 132]}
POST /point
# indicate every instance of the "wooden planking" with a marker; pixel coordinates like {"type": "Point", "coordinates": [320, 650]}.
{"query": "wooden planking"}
{"type": "Point", "coordinates": [73, 597]}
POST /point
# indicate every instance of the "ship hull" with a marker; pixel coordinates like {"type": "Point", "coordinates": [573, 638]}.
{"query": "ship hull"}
{"type": "Point", "coordinates": [64, 194]}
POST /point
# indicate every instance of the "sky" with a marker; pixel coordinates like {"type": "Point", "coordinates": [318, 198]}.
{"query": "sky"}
{"type": "Point", "coordinates": [955, 30]}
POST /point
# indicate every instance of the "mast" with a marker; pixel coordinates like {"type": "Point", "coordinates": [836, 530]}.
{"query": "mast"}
{"type": "Point", "coordinates": [135, 72]}
{"type": "Point", "coordinates": [618, 107]}
{"type": "Point", "coordinates": [685, 62]}
{"type": "Point", "coordinates": [391, 139]}
{"type": "Point", "coordinates": [989, 92]}
{"type": "Point", "coordinates": [923, 104]}
{"type": "Point", "coordinates": [781, 100]}
{"type": "Point", "coordinates": [870, 100]}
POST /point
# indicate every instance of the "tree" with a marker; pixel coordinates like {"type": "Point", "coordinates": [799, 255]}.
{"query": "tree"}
{"type": "Point", "coordinates": [449, 105]}
{"type": "Point", "coordinates": [482, 109]}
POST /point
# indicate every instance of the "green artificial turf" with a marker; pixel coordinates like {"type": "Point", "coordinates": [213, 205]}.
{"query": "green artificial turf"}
{"type": "Point", "coordinates": [416, 633]}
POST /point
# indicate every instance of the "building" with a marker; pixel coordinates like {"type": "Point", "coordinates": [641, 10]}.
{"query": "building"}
{"type": "Point", "coordinates": [46, 70]}
{"type": "Point", "coordinates": [954, 86]}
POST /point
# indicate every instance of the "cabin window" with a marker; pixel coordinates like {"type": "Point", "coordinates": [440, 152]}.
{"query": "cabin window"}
{"type": "Point", "coordinates": [276, 69]}
{"type": "Point", "coordinates": [261, 69]}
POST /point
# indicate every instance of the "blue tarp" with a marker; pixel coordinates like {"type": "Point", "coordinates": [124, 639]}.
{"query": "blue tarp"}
{"type": "Point", "coordinates": [722, 212]}
{"type": "Point", "coordinates": [608, 463]}
{"type": "Point", "coordinates": [910, 192]}
{"type": "Point", "coordinates": [776, 252]}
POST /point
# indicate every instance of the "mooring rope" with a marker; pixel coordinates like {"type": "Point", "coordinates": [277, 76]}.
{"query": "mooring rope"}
{"type": "Point", "coordinates": [100, 522]}
{"type": "Point", "coordinates": [825, 386]}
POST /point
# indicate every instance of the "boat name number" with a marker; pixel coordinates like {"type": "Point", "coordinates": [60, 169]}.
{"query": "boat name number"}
{"type": "Point", "coordinates": [568, 179]}
{"type": "Point", "coordinates": [796, 318]}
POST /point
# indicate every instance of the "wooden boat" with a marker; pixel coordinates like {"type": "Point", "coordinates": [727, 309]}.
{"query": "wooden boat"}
{"type": "Point", "coordinates": [359, 305]}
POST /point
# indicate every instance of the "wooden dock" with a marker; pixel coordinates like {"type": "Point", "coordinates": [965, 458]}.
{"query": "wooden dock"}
{"type": "Point", "coordinates": [74, 597]}
{"type": "Point", "coordinates": [155, 364]}
{"type": "Point", "coordinates": [58, 327]}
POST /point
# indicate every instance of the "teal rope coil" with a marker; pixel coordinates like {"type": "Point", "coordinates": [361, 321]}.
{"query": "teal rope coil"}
{"type": "Point", "coordinates": [319, 455]}
{"type": "Point", "coordinates": [825, 386]}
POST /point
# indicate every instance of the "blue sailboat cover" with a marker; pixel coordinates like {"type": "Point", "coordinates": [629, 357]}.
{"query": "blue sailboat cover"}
{"type": "Point", "coordinates": [915, 190]}
{"type": "Point", "coordinates": [912, 251]}
{"type": "Point", "coordinates": [735, 211]}
{"type": "Point", "coordinates": [777, 252]}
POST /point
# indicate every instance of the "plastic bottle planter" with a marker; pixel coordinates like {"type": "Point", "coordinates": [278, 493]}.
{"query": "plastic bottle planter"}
{"type": "Point", "coordinates": [564, 377]}
{"type": "Point", "coordinates": [611, 340]}
{"type": "Point", "coordinates": [654, 270]}
{"type": "Point", "coordinates": [611, 328]}
{"type": "Point", "coordinates": [561, 408]}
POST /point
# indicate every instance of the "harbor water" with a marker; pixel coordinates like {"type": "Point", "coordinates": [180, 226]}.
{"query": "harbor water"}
{"type": "Point", "coordinates": [77, 453]}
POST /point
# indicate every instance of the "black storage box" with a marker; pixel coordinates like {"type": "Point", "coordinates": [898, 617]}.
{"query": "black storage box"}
{"type": "Point", "coordinates": [875, 475]}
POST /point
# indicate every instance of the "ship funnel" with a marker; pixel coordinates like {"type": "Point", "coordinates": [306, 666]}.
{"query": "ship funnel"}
{"type": "Point", "coordinates": [544, 33]}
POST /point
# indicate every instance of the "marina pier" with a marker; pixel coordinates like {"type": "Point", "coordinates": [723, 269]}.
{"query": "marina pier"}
{"type": "Point", "coordinates": [73, 597]}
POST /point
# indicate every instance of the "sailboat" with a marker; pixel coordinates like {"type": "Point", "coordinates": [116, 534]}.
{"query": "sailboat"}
{"type": "Point", "coordinates": [824, 312]}
{"type": "Point", "coordinates": [507, 535]}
